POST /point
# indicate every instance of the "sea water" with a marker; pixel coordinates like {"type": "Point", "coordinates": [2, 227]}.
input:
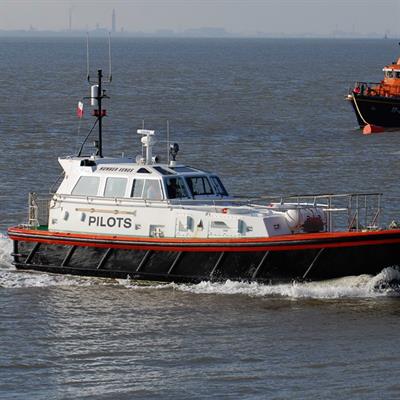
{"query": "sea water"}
{"type": "Point", "coordinates": [269, 117]}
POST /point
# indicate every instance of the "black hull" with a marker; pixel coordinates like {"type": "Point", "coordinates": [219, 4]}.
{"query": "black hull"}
{"type": "Point", "coordinates": [376, 110]}
{"type": "Point", "coordinates": [264, 266]}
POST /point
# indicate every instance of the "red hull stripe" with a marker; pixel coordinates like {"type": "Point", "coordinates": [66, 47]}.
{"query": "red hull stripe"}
{"type": "Point", "coordinates": [281, 243]}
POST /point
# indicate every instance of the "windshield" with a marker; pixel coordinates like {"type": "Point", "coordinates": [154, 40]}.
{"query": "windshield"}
{"type": "Point", "coordinates": [218, 186]}
{"type": "Point", "coordinates": [175, 188]}
{"type": "Point", "coordinates": [199, 185]}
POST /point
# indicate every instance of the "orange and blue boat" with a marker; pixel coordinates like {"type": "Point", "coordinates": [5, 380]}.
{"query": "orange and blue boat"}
{"type": "Point", "coordinates": [378, 103]}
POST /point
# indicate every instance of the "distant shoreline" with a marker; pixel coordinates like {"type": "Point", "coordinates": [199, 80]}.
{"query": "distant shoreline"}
{"type": "Point", "coordinates": [80, 34]}
{"type": "Point", "coordinates": [201, 33]}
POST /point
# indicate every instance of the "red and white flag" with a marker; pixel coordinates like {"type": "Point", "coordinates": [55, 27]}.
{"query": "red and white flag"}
{"type": "Point", "coordinates": [79, 109]}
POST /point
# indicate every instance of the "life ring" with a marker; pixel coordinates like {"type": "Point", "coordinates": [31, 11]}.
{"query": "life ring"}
{"type": "Point", "coordinates": [225, 211]}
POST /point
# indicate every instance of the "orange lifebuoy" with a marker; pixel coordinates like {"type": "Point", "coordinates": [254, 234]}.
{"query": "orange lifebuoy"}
{"type": "Point", "coordinates": [225, 211]}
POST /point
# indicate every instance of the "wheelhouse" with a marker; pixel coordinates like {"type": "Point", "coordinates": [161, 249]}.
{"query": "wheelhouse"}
{"type": "Point", "coordinates": [391, 72]}
{"type": "Point", "coordinates": [142, 182]}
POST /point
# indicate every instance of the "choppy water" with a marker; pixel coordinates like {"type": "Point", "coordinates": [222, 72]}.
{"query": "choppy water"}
{"type": "Point", "coordinates": [269, 117]}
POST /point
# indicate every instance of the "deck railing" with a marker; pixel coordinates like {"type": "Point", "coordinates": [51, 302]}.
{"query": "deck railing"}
{"type": "Point", "coordinates": [364, 88]}
{"type": "Point", "coordinates": [349, 211]}
{"type": "Point", "coordinates": [38, 208]}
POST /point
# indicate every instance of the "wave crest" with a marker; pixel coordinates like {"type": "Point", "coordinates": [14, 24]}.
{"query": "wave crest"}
{"type": "Point", "coordinates": [362, 286]}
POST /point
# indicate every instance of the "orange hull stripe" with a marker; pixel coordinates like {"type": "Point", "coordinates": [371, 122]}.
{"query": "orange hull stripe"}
{"type": "Point", "coordinates": [281, 243]}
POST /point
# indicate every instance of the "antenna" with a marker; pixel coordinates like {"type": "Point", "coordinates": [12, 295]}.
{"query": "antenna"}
{"type": "Point", "coordinates": [87, 57]}
{"type": "Point", "coordinates": [97, 94]}
{"type": "Point", "coordinates": [168, 141]}
{"type": "Point", "coordinates": [109, 58]}
{"type": "Point", "coordinates": [143, 146]}
{"type": "Point", "coordinates": [109, 77]}
{"type": "Point", "coordinates": [70, 18]}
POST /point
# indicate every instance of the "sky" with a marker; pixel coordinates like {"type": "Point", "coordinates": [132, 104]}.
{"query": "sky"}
{"type": "Point", "coordinates": [243, 17]}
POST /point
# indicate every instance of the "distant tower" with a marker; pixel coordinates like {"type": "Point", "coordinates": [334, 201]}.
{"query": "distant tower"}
{"type": "Point", "coordinates": [70, 19]}
{"type": "Point", "coordinates": [113, 22]}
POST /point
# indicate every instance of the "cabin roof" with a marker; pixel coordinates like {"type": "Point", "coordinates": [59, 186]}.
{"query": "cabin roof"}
{"type": "Point", "coordinates": [124, 166]}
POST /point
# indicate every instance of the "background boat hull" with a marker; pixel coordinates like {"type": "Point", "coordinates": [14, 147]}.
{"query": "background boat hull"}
{"type": "Point", "coordinates": [381, 111]}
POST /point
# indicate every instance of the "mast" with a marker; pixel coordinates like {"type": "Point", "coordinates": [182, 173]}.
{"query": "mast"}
{"type": "Point", "coordinates": [100, 113]}
{"type": "Point", "coordinates": [97, 95]}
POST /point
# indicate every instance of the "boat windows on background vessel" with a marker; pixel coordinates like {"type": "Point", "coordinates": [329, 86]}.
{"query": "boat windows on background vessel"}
{"type": "Point", "coordinates": [175, 188]}
{"type": "Point", "coordinates": [87, 186]}
{"type": "Point", "coordinates": [199, 185]}
{"type": "Point", "coordinates": [115, 187]}
{"type": "Point", "coordinates": [137, 188]}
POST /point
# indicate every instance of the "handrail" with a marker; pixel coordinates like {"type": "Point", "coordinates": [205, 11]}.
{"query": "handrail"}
{"type": "Point", "coordinates": [369, 83]}
{"type": "Point", "coordinates": [206, 201]}
{"type": "Point", "coordinates": [364, 88]}
{"type": "Point", "coordinates": [363, 209]}
{"type": "Point", "coordinates": [38, 210]}
{"type": "Point", "coordinates": [53, 187]}
{"type": "Point", "coordinates": [374, 89]}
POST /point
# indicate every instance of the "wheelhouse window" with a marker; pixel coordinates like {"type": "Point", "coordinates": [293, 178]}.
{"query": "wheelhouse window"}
{"type": "Point", "coordinates": [87, 186]}
{"type": "Point", "coordinates": [199, 185]}
{"type": "Point", "coordinates": [146, 189]}
{"type": "Point", "coordinates": [115, 187]}
{"type": "Point", "coordinates": [152, 189]}
{"type": "Point", "coordinates": [175, 188]}
{"type": "Point", "coordinates": [218, 186]}
{"type": "Point", "coordinates": [137, 188]}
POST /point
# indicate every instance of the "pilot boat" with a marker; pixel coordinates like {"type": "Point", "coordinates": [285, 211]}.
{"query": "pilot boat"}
{"type": "Point", "coordinates": [146, 220]}
{"type": "Point", "coordinates": [378, 104]}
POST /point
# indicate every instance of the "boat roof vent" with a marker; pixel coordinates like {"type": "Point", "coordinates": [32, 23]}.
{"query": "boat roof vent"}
{"type": "Point", "coordinates": [88, 163]}
{"type": "Point", "coordinates": [143, 171]}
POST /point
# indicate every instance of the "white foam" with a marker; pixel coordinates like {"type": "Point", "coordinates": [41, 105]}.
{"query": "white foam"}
{"type": "Point", "coordinates": [362, 286]}
{"type": "Point", "coordinates": [346, 287]}
{"type": "Point", "coordinates": [5, 252]}
{"type": "Point", "coordinates": [22, 279]}
{"type": "Point", "coordinates": [11, 278]}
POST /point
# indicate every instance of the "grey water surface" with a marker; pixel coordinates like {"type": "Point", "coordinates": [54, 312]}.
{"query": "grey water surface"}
{"type": "Point", "coordinates": [270, 117]}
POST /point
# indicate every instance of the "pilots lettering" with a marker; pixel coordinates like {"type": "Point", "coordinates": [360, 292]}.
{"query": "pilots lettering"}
{"type": "Point", "coordinates": [110, 222]}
